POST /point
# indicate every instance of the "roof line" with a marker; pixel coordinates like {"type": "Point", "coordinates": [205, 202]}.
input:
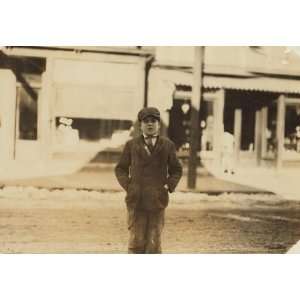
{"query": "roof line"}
{"type": "Point", "coordinates": [92, 49]}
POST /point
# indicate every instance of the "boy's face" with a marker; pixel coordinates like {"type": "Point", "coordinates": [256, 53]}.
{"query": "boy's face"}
{"type": "Point", "coordinates": [150, 126]}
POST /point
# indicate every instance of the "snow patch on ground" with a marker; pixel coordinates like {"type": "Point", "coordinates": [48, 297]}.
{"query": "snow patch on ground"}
{"type": "Point", "coordinates": [177, 197]}
{"type": "Point", "coordinates": [295, 249]}
{"type": "Point", "coordinates": [189, 196]}
{"type": "Point", "coordinates": [236, 217]}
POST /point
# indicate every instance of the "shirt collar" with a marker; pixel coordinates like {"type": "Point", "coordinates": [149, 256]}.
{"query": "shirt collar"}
{"type": "Point", "coordinates": [152, 136]}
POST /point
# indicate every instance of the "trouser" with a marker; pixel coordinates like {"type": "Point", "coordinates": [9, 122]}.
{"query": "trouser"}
{"type": "Point", "coordinates": [145, 228]}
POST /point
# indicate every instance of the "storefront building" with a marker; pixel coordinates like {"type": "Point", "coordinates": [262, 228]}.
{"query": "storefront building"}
{"type": "Point", "coordinates": [251, 92]}
{"type": "Point", "coordinates": [255, 99]}
{"type": "Point", "coordinates": [98, 89]}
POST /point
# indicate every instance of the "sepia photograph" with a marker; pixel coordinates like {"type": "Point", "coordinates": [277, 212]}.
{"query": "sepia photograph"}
{"type": "Point", "coordinates": [150, 149]}
{"type": "Point", "coordinates": [163, 127]}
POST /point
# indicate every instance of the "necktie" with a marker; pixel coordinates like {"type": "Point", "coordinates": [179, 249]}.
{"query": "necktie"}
{"type": "Point", "coordinates": [149, 143]}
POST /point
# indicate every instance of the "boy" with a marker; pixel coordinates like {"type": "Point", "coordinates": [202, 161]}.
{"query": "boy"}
{"type": "Point", "coordinates": [148, 170]}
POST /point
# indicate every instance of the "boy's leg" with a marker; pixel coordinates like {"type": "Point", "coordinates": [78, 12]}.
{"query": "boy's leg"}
{"type": "Point", "coordinates": [154, 230]}
{"type": "Point", "coordinates": [137, 225]}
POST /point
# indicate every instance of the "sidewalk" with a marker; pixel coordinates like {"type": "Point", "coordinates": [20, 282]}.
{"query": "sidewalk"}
{"type": "Point", "coordinates": [284, 183]}
{"type": "Point", "coordinates": [59, 174]}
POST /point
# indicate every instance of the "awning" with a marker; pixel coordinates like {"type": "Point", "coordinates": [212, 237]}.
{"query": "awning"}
{"type": "Point", "coordinates": [95, 102]}
{"type": "Point", "coordinates": [261, 83]}
{"type": "Point", "coordinates": [264, 84]}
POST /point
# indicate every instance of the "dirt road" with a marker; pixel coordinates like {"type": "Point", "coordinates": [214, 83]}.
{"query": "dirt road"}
{"type": "Point", "coordinates": [69, 221]}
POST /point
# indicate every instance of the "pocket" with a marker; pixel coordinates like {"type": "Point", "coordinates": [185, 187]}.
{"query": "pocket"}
{"type": "Point", "coordinates": [132, 195]}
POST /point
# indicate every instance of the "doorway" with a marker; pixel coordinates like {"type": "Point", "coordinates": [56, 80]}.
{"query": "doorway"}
{"type": "Point", "coordinates": [26, 136]}
{"type": "Point", "coordinates": [291, 141]}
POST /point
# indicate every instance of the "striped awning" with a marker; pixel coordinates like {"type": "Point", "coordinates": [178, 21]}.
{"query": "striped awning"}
{"type": "Point", "coordinates": [260, 83]}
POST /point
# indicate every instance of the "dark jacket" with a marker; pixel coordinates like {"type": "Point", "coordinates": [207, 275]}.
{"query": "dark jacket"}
{"type": "Point", "coordinates": [143, 176]}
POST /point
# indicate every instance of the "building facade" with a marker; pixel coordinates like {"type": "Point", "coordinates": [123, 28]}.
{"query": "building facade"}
{"type": "Point", "coordinates": [100, 89]}
{"type": "Point", "coordinates": [250, 92]}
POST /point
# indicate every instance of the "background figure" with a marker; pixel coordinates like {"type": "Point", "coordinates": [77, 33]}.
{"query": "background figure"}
{"type": "Point", "coordinates": [228, 153]}
{"type": "Point", "coordinates": [207, 134]}
{"type": "Point", "coordinates": [67, 135]}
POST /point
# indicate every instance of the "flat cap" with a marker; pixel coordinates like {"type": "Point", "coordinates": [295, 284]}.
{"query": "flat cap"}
{"type": "Point", "coordinates": [149, 112]}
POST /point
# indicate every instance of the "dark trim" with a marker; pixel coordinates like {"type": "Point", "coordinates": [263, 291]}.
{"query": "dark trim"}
{"type": "Point", "coordinates": [107, 50]}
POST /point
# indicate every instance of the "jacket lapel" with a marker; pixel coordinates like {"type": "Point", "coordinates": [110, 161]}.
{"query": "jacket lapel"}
{"type": "Point", "coordinates": [158, 146]}
{"type": "Point", "coordinates": [141, 148]}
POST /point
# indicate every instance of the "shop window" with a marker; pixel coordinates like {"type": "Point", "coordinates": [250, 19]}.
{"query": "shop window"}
{"type": "Point", "coordinates": [291, 139]}
{"type": "Point", "coordinates": [292, 131]}
{"type": "Point", "coordinates": [91, 130]}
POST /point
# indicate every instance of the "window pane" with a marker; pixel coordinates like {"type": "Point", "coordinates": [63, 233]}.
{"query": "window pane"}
{"type": "Point", "coordinates": [28, 105]}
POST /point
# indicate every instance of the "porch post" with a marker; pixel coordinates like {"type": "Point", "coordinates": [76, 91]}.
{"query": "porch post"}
{"type": "Point", "coordinates": [258, 135]}
{"type": "Point", "coordinates": [218, 109]}
{"type": "Point", "coordinates": [237, 133]}
{"type": "Point", "coordinates": [46, 124]}
{"type": "Point", "coordinates": [280, 130]}
{"type": "Point", "coordinates": [8, 101]}
{"type": "Point", "coordinates": [264, 124]}
{"type": "Point", "coordinates": [195, 108]}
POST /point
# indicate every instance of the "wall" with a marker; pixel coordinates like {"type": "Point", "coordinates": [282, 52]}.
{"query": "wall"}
{"type": "Point", "coordinates": [7, 114]}
{"type": "Point", "coordinates": [235, 59]}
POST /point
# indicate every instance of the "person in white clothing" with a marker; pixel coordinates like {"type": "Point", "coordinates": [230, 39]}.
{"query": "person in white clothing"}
{"type": "Point", "coordinates": [66, 134]}
{"type": "Point", "coordinates": [228, 153]}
